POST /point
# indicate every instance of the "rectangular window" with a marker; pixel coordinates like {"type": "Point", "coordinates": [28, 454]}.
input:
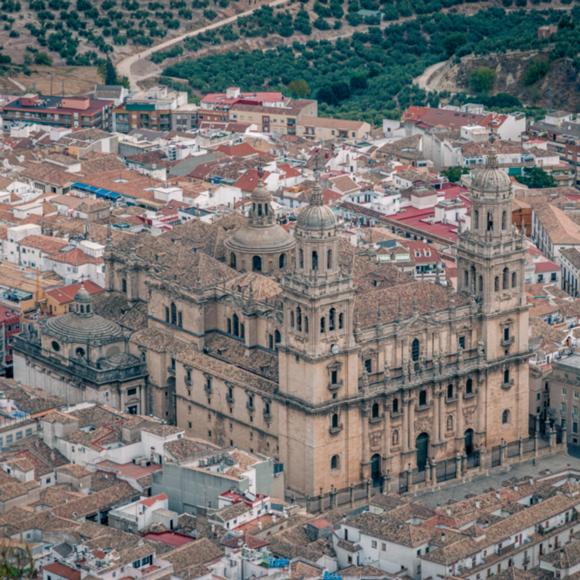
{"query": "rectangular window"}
{"type": "Point", "coordinates": [369, 365]}
{"type": "Point", "coordinates": [18, 435]}
{"type": "Point", "coordinates": [334, 377]}
{"type": "Point", "coordinates": [131, 392]}
{"type": "Point", "coordinates": [462, 342]}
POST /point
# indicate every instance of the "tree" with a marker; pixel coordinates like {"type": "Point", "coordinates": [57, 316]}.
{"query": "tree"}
{"type": "Point", "coordinates": [481, 80]}
{"type": "Point", "coordinates": [108, 73]}
{"type": "Point", "coordinates": [42, 58]}
{"type": "Point", "coordinates": [453, 42]}
{"type": "Point", "coordinates": [299, 88]}
{"type": "Point", "coordinates": [453, 173]}
{"type": "Point", "coordinates": [536, 178]}
{"type": "Point", "coordinates": [536, 71]}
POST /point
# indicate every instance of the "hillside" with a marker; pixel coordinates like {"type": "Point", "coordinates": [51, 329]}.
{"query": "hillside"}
{"type": "Point", "coordinates": [370, 74]}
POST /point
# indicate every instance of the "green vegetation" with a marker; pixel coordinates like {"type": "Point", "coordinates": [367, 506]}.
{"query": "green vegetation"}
{"type": "Point", "coordinates": [536, 71]}
{"type": "Point", "coordinates": [481, 80]}
{"type": "Point", "coordinates": [83, 32]}
{"type": "Point", "coordinates": [536, 178]}
{"type": "Point", "coordinates": [454, 173]}
{"type": "Point", "coordinates": [369, 75]}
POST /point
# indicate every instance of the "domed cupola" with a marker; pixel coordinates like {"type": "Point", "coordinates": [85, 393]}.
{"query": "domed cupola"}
{"type": "Point", "coordinates": [491, 181]}
{"type": "Point", "coordinates": [316, 217]}
{"type": "Point", "coordinates": [261, 245]}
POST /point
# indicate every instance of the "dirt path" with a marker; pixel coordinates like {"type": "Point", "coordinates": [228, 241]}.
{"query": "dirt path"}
{"type": "Point", "coordinates": [431, 76]}
{"type": "Point", "coordinates": [138, 67]}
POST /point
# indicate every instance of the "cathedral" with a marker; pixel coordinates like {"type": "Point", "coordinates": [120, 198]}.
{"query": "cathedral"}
{"type": "Point", "coordinates": [344, 369]}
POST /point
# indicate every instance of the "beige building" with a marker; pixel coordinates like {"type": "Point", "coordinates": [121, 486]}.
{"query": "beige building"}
{"type": "Point", "coordinates": [282, 120]}
{"type": "Point", "coordinates": [329, 129]}
{"type": "Point", "coordinates": [342, 368]}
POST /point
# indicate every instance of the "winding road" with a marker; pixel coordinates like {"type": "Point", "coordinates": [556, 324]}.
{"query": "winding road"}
{"type": "Point", "coordinates": [137, 67]}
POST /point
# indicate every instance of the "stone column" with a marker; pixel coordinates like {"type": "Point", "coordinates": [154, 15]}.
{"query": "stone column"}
{"type": "Point", "coordinates": [411, 422]}
{"type": "Point", "coordinates": [564, 433]}
{"type": "Point", "coordinates": [405, 433]}
{"type": "Point", "coordinates": [458, 466]}
{"type": "Point", "coordinates": [364, 415]}
{"type": "Point", "coordinates": [437, 410]}
{"type": "Point", "coordinates": [459, 422]}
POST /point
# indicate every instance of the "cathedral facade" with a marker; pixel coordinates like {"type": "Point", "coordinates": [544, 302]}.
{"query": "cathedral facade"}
{"type": "Point", "coordinates": [342, 368]}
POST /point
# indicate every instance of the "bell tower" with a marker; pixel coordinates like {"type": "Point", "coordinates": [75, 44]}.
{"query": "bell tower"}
{"type": "Point", "coordinates": [490, 267]}
{"type": "Point", "coordinates": [318, 358]}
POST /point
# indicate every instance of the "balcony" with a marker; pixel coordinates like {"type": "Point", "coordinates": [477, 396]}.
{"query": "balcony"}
{"type": "Point", "coordinates": [267, 416]}
{"type": "Point", "coordinates": [334, 430]}
{"type": "Point", "coordinates": [250, 406]}
{"type": "Point", "coordinates": [171, 370]}
{"type": "Point", "coordinates": [506, 342]}
{"type": "Point", "coordinates": [230, 399]}
{"type": "Point", "coordinates": [334, 386]}
{"type": "Point", "coordinates": [506, 386]}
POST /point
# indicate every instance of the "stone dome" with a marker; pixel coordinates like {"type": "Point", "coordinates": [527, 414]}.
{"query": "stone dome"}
{"type": "Point", "coordinates": [316, 216]}
{"type": "Point", "coordinates": [82, 329]}
{"type": "Point", "coordinates": [272, 238]}
{"type": "Point", "coordinates": [491, 179]}
{"type": "Point", "coordinates": [82, 325]}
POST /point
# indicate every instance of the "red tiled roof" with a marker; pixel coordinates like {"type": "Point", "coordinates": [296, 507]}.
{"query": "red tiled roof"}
{"type": "Point", "coordinates": [546, 266]}
{"type": "Point", "coordinates": [249, 180]}
{"type": "Point", "coordinates": [46, 244]}
{"type": "Point", "coordinates": [75, 257]}
{"type": "Point", "coordinates": [288, 170]}
{"type": "Point", "coordinates": [240, 150]}
{"type": "Point", "coordinates": [66, 294]}
{"type": "Point", "coordinates": [173, 539]}
{"type": "Point", "coordinates": [62, 571]}
{"type": "Point", "coordinates": [151, 501]}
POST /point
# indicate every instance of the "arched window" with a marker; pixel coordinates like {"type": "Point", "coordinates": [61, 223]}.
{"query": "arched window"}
{"type": "Point", "coordinates": [334, 462]}
{"type": "Point", "coordinates": [489, 227]}
{"type": "Point", "coordinates": [505, 417]}
{"type": "Point", "coordinates": [233, 261]}
{"type": "Point", "coordinates": [514, 279]}
{"type": "Point", "coordinates": [395, 437]}
{"type": "Point", "coordinates": [270, 342]}
{"type": "Point", "coordinates": [506, 376]}
{"type": "Point", "coordinates": [395, 406]}
{"type": "Point", "coordinates": [236, 325]}
{"type": "Point", "coordinates": [314, 260]}
{"type": "Point", "coordinates": [323, 324]}
{"type": "Point", "coordinates": [124, 286]}
{"type": "Point", "coordinates": [167, 314]}
{"type": "Point", "coordinates": [306, 324]}
{"type": "Point", "coordinates": [282, 261]}
{"type": "Point", "coordinates": [242, 331]}
{"type": "Point", "coordinates": [329, 259]}
{"type": "Point", "coordinates": [229, 325]}
{"type": "Point", "coordinates": [450, 391]}
{"type": "Point", "coordinates": [469, 387]}
{"type": "Point", "coordinates": [256, 264]}
{"type": "Point", "coordinates": [505, 278]}
{"type": "Point", "coordinates": [466, 279]}
{"type": "Point", "coordinates": [277, 337]}
{"type": "Point", "coordinates": [415, 349]}
{"type": "Point", "coordinates": [299, 319]}
{"type": "Point", "coordinates": [332, 319]}
{"type": "Point", "coordinates": [496, 284]}
{"type": "Point", "coordinates": [423, 398]}
{"type": "Point", "coordinates": [173, 313]}
{"type": "Point", "coordinates": [375, 411]}
{"type": "Point", "coordinates": [341, 321]}
{"type": "Point", "coordinates": [291, 318]}
{"type": "Point", "coordinates": [334, 421]}
{"type": "Point", "coordinates": [504, 220]}
{"type": "Point", "coordinates": [80, 352]}
{"type": "Point", "coordinates": [301, 258]}
{"type": "Point", "coordinates": [449, 422]}
{"type": "Point", "coordinates": [476, 219]}
{"type": "Point", "coordinates": [481, 283]}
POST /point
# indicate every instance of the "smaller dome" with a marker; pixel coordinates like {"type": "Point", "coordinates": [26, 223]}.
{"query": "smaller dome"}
{"type": "Point", "coordinates": [491, 179]}
{"type": "Point", "coordinates": [316, 216]}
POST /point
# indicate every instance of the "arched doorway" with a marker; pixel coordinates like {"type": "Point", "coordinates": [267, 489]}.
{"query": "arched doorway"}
{"type": "Point", "coordinates": [256, 264]}
{"type": "Point", "coordinates": [468, 439]}
{"type": "Point", "coordinates": [422, 446]}
{"type": "Point", "coordinates": [376, 474]}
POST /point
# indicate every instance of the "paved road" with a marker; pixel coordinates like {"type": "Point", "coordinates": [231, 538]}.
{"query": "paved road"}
{"type": "Point", "coordinates": [135, 74]}
{"type": "Point", "coordinates": [479, 484]}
